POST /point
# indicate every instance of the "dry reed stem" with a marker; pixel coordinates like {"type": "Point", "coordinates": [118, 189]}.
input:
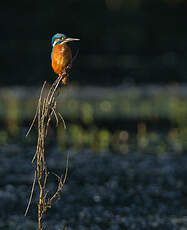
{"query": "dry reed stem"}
{"type": "Point", "coordinates": [46, 110]}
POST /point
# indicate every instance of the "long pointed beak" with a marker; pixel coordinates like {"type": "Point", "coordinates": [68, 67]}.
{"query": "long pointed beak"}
{"type": "Point", "coordinates": [70, 39]}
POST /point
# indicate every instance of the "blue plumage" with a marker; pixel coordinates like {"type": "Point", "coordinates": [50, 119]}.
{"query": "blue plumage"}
{"type": "Point", "coordinates": [57, 36]}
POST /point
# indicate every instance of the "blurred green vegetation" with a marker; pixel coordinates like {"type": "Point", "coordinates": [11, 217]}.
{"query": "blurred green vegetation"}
{"type": "Point", "coordinates": [146, 118]}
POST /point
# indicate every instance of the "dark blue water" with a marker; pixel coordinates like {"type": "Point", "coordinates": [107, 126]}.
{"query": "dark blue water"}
{"type": "Point", "coordinates": [103, 191]}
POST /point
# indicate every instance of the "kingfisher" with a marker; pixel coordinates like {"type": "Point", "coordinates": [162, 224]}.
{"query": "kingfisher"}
{"type": "Point", "coordinates": [61, 55]}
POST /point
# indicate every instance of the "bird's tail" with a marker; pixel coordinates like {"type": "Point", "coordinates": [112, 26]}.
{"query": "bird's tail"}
{"type": "Point", "coordinates": [65, 80]}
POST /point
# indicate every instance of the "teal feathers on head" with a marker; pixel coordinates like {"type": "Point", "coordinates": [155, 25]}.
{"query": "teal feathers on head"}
{"type": "Point", "coordinates": [57, 36]}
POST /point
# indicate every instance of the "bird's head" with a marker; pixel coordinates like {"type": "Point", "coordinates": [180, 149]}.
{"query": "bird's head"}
{"type": "Point", "coordinates": [61, 39]}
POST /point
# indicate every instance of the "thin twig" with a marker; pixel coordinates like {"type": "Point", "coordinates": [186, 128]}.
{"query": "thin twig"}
{"type": "Point", "coordinates": [32, 190]}
{"type": "Point", "coordinates": [64, 123]}
{"type": "Point", "coordinates": [61, 183]}
{"type": "Point", "coordinates": [36, 113]}
{"type": "Point", "coordinates": [66, 171]}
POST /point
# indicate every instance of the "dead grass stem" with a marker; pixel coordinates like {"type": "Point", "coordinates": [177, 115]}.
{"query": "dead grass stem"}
{"type": "Point", "coordinates": [46, 110]}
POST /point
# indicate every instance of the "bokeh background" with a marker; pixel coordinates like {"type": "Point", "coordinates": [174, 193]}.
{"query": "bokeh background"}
{"type": "Point", "coordinates": [121, 41]}
{"type": "Point", "coordinates": [126, 101]}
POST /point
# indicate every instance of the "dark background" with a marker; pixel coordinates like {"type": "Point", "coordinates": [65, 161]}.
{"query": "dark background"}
{"type": "Point", "coordinates": [139, 41]}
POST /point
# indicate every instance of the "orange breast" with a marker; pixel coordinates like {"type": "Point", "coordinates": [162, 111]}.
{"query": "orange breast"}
{"type": "Point", "coordinates": [61, 58]}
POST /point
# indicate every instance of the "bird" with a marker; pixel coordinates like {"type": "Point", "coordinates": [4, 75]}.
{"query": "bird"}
{"type": "Point", "coordinates": [61, 55]}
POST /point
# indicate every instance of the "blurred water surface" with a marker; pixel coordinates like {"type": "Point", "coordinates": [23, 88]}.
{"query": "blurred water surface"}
{"type": "Point", "coordinates": [103, 191]}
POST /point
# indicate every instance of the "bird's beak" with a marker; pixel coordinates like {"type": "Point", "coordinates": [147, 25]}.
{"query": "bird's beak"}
{"type": "Point", "coordinates": [70, 39]}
